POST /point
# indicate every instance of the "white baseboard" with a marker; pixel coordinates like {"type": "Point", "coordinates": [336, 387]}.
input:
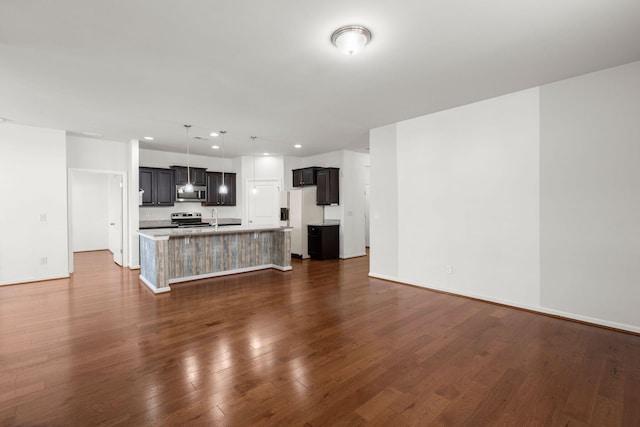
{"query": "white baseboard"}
{"type": "Point", "coordinates": [35, 280]}
{"type": "Point", "coordinates": [539, 309]}
{"type": "Point", "coordinates": [228, 272]}
{"type": "Point", "coordinates": [354, 256]}
{"type": "Point", "coordinates": [153, 288]}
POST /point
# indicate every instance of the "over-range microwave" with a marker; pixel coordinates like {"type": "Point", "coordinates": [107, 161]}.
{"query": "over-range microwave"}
{"type": "Point", "coordinates": [199, 194]}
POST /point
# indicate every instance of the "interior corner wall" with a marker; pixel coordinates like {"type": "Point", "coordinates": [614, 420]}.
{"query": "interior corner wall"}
{"type": "Point", "coordinates": [38, 248]}
{"type": "Point", "coordinates": [590, 196]}
{"type": "Point", "coordinates": [468, 199]}
{"type": "Point", "coordinates": [383, 203]}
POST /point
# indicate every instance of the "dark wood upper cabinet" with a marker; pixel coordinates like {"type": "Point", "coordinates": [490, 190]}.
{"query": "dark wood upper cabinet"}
{"type": "Point", "coordinates": [158, 185]}
{"type": "Point", "coordinates": [165, 188]}
{"type": "Point", "coordinates": [213, 182]}
{"type": "Point", "coordinates": [147, 185]}
{"type": "Point", "coordinates": [328, 182]}
{"type": "Point", "coordinates": [198, 175]}
{"type": "Point", "coordinates": [305, 176]}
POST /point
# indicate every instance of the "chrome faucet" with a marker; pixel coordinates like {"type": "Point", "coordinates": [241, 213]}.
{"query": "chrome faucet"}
{"type": "Point", "coordinates": [214, 214]}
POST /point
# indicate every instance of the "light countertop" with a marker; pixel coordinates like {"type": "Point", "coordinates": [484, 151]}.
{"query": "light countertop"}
{"type": "Point", "coordinates": [165, 233]}
{"type": "Point", "coordinates": [224, 222]}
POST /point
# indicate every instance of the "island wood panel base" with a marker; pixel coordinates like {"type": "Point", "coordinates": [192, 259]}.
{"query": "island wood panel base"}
{"type": "Point", "coordinates": [322, 345]}
{"type": "Point", "coordinates": [177, 259]}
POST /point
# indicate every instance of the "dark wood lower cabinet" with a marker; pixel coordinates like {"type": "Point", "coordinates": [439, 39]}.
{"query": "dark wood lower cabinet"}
{"type": "Point", "coordinates": [323, 241]}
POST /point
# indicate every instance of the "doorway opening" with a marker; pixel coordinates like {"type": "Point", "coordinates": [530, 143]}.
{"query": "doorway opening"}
{"type": "Point", "coordinates": [97, 203]}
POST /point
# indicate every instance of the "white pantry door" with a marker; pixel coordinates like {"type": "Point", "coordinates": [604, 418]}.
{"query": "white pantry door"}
{"type": "Point", "coordinates": [115, 217]}
{"type": "Point", "coordinates": [264, 203]}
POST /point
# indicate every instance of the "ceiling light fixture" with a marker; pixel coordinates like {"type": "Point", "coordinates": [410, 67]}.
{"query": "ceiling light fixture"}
{"type": "Point", "coordinates": [223, 188]}
{"type": "Point", "coordinates": [266, 154]}
{"type": "Point", "coordinates": [298, 146]}
{"type": "Point", "coordinates": [215, 147]}
{"type": "Point", "coordinates": [214, 134]}
{"type": "Point", "coordinates": [351, 39]}
{"type": "Point", "coordinates": [188, 186]}
{"type": "Point", "coordinates": [148, 138]}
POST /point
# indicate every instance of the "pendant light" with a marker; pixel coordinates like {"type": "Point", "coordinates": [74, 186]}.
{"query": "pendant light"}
{"type": "Point", "coordinates": [254, 190]}
{"type": "Point", "coordinates": [188, 186]}
{"type": "Point", "coordinates": [223, 188]}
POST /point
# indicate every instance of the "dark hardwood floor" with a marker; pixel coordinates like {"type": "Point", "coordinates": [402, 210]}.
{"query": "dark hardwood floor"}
{"type": "Point", "coordinates": [321, 345]}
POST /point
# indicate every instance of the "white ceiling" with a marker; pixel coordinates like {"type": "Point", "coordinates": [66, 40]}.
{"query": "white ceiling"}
{"type": "Point", "coordinates": [130, 68]}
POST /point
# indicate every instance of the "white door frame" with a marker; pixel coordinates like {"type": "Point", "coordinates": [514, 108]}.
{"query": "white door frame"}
{"type": "Point", "coordinates": [71, 176]}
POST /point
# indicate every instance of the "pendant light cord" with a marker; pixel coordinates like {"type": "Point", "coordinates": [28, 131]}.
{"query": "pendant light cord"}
{"type": "Point", "coordinates": [254, 162]}
{"type": "Point", "coordinates": [188, 163]}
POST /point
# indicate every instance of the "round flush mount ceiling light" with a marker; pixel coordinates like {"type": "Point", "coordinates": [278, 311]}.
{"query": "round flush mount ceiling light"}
{"type": "Point", "coordinates": [351, 39]}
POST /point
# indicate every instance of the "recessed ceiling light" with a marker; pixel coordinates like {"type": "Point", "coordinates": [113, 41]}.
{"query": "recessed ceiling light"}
{"type": "Point", "coordinates": [214, 134]}
{"type": "Point", "coordinates": [215, 147]}
{"type": "Point", "coordinates": [266, 154]}
{"type": "Point", "coordinates": [298, 146]}
{"type": "Point", "coordinates": [148, 138]}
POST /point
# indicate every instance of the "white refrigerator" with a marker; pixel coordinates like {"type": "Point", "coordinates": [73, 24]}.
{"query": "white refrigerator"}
{"type": "Point", "coordinates": [302, 212]}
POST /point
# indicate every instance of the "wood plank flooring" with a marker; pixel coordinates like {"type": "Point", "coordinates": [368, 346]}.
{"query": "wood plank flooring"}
{"type": "Point", "coordinates": [321, 345]}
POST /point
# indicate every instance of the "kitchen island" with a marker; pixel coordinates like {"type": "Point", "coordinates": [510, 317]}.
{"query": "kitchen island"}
{"type": "Point", "coordinates": [170, 256]}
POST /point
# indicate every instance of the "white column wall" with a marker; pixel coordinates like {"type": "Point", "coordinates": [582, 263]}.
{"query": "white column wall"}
{"type": "Point", "coordinates": [590, 195]}
{"type": "Point", "coordinates": [383, 203]}
{"type": "Point", "coordinates": [33, 179]}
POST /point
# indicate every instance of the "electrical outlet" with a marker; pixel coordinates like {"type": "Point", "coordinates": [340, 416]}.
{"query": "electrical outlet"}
{"type": "Point", "coordinates": [43, 260]}
{"type": "Point", "coordinates": [43, 217]}
{"type": "Point", "coordinates": [449, 269]}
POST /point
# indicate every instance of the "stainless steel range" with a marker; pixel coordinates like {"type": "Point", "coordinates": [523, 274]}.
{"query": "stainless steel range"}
{"type": "Point", "coordinates": [188, 219]}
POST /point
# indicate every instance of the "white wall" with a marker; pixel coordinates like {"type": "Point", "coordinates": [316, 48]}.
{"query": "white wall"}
{"type": "Point", "coordinates": [96, 154]}
{"type": "Point", "coordinates": [468, 194]}
{"type": "Point", "coordinates": [383, 202]}
{"type": "Point", "coordinates": [34, 159]}
{"type": "Point", "coordinates": [531, 198]}
{"type": "Point", "coordinates": [590, 195]}
{"type": "Point", "coordinates": [90, 211]}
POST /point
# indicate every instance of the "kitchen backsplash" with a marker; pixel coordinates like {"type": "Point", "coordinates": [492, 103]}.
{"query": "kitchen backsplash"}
{"type": "Point", "coordinates": [164, 213]}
